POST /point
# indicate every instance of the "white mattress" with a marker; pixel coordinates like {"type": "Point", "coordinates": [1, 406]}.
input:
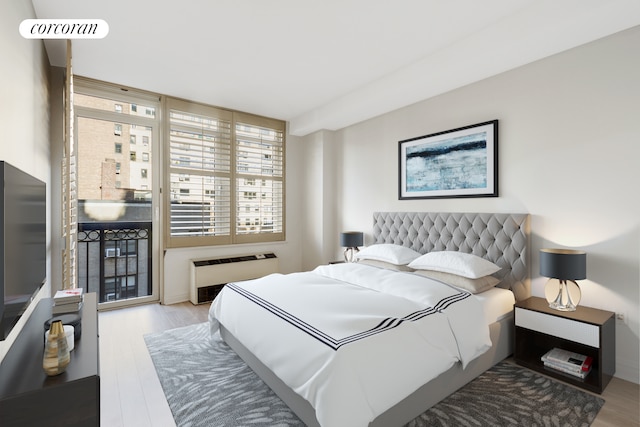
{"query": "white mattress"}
{"type": "Point", "coordinates": [497, 303]}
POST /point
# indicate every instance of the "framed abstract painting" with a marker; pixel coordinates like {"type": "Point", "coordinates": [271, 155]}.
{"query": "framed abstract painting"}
{"type": "Point", "coordinates": [461, 162]}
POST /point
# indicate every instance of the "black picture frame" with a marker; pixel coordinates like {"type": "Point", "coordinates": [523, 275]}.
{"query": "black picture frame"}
{"type": "Point", "coordinates": [461, 162]}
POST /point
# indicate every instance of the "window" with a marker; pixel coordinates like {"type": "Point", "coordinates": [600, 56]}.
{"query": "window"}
{"type": "Point", "coordinates": [145, 140]}
{"type": "Point", "coordinates": [259, 171]}
{"type": "Point", "coordinates": [119, 287]}
{"type": "Point", "coordinates": [132, 156]}
{"type": "Point", "coordinates": [134, 250]}
{"type": "Point", "coordinates": [118, 248]}
{"type": "Point", "coordinates": [145, 157]}
{"type": "Point", "coordinates": [219, 162]}
{"type": "Point", "coordinates": [106, 102]}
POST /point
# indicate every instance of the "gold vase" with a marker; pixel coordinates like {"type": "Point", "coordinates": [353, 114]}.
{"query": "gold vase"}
{"type": "Point", "coordinates": [56, 351]}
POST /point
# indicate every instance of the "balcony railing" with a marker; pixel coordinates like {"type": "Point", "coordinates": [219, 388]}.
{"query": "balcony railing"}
{"type": "Point", "coordinates": [114, 259]}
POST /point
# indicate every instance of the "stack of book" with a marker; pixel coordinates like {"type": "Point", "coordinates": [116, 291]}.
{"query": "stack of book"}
{"type": "Point", "coordinates": [574, 364]}
{"type": "Point", "coordinates": [67, 301]}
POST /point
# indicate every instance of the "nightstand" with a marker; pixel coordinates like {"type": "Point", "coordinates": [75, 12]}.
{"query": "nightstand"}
{"type": "Point", "coordinates": [587, 331]}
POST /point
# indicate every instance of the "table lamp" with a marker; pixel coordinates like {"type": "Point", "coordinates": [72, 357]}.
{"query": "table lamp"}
{"type": "Point", "coordinates": [563, 267]}
{"type": "Point", "coordinates": [351, 240]}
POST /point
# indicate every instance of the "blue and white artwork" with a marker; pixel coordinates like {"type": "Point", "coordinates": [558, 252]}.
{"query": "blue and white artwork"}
{"type": "Point", "coordinates": [457, 163]}
{"type": "Point", "coordinates": [450, 164]}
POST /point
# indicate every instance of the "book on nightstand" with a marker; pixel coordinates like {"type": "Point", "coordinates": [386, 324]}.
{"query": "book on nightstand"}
{"type": "Point", "coordinates": [568, 362]}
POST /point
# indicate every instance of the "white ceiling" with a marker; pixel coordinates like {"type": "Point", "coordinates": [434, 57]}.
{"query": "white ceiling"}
{"type": "Point", "coordinates": [324, 64]}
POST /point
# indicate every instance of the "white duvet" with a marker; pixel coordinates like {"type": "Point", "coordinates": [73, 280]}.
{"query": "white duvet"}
{"type": "Point", "coordinates": [352, 339]}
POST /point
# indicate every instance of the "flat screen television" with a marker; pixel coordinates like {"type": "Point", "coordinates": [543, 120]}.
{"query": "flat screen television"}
{"type": "Point", "coordinates": [23, 252]}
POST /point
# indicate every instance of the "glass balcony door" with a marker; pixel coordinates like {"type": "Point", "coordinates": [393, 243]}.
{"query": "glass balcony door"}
{"type": "Point", "coordinates": [117, 247]}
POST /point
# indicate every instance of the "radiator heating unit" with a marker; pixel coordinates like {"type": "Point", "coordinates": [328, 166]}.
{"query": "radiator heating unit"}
{"type": "Point", "coordinates": [208, 276]}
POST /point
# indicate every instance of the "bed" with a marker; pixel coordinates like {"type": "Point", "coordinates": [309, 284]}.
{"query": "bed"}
{"type": "Point", "coordinates": [323, 390]}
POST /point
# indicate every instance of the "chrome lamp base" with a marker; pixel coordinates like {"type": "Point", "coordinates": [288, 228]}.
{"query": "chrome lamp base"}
{"type": "Point", "coordinates": [562, 295]}
{"type": "Point", "coordinates": [350, 254]}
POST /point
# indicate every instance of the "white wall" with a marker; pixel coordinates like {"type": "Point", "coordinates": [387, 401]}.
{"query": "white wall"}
{"type": "Point", "coordinates": [319, 212]}
{"type": "Point", "coordinates": [24, 115]}
{"type": "Point", "coordinates": [569, 154]}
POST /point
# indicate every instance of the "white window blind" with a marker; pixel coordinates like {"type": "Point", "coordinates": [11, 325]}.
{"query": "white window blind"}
{"type": "Point", "coordinates": [259, 179]}
{"type": "Point", "coordinates": [226, 176]}
{"type": "Point", "coordinates": [69, 186]}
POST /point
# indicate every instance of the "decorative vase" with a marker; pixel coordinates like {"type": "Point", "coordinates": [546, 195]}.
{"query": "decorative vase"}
{"type": "Point", "coordinates": [56, 351]}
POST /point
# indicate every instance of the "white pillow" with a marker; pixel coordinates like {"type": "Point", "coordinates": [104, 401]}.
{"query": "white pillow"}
{"type": "Point", "coordinates": [460, 263]}
{"type": "Point", "coordinates": [388, 252]}
{"type": "Point", "coordinates": [475, 286]}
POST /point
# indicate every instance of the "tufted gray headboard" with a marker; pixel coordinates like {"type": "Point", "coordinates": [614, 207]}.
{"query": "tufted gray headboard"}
{"type": "Point", "coordinates": [499, 237]}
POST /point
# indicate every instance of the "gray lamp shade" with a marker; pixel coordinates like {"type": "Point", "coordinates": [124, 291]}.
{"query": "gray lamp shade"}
{"type": "Point", "coordinates": [351, 239]}
{"type": "Point", "coordinates": [563, 264]}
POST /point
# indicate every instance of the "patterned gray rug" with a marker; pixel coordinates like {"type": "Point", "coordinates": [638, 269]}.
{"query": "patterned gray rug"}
{"type": "Point", "coordinates": [207, 384]}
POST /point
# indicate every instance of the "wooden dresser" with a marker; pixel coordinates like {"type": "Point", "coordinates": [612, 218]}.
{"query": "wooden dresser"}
{"type": "Point", "coordinates": [28, 397]}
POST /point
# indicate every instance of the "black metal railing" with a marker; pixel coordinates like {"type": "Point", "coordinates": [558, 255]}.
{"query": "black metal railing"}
{"type": "Point", "coordinates": [114, 259]}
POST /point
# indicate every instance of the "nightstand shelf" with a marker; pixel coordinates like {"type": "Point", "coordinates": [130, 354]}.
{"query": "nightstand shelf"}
{"type": "Point", "coordinates": [587, 331]}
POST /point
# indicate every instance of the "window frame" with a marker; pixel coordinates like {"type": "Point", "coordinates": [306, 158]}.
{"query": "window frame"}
{"type": "Point", "coordinates": [260, 179]}
{"type": "Point", "coordinates": [113, 92]}
{"type": "Point", "coordinates": [174, 104]}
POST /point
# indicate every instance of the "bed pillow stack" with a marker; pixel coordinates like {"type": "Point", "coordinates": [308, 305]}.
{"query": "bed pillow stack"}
{"type": "Point", "coordinates": [459, 269]}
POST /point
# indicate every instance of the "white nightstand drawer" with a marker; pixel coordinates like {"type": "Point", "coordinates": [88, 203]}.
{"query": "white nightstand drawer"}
{"type": "Point", "coordinates": [568, 329]}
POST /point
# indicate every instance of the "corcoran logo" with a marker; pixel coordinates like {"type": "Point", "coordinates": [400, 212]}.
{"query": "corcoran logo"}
{"type": "Point", "coordinates": [64, 29]}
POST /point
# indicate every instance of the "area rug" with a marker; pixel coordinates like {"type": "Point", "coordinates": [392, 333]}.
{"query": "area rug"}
{"type": "Point", "coordinates": [207, 384]}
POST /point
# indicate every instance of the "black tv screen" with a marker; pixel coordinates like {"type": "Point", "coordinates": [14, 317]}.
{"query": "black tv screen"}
{"type": "Point", "coordinates": [23, 233]}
